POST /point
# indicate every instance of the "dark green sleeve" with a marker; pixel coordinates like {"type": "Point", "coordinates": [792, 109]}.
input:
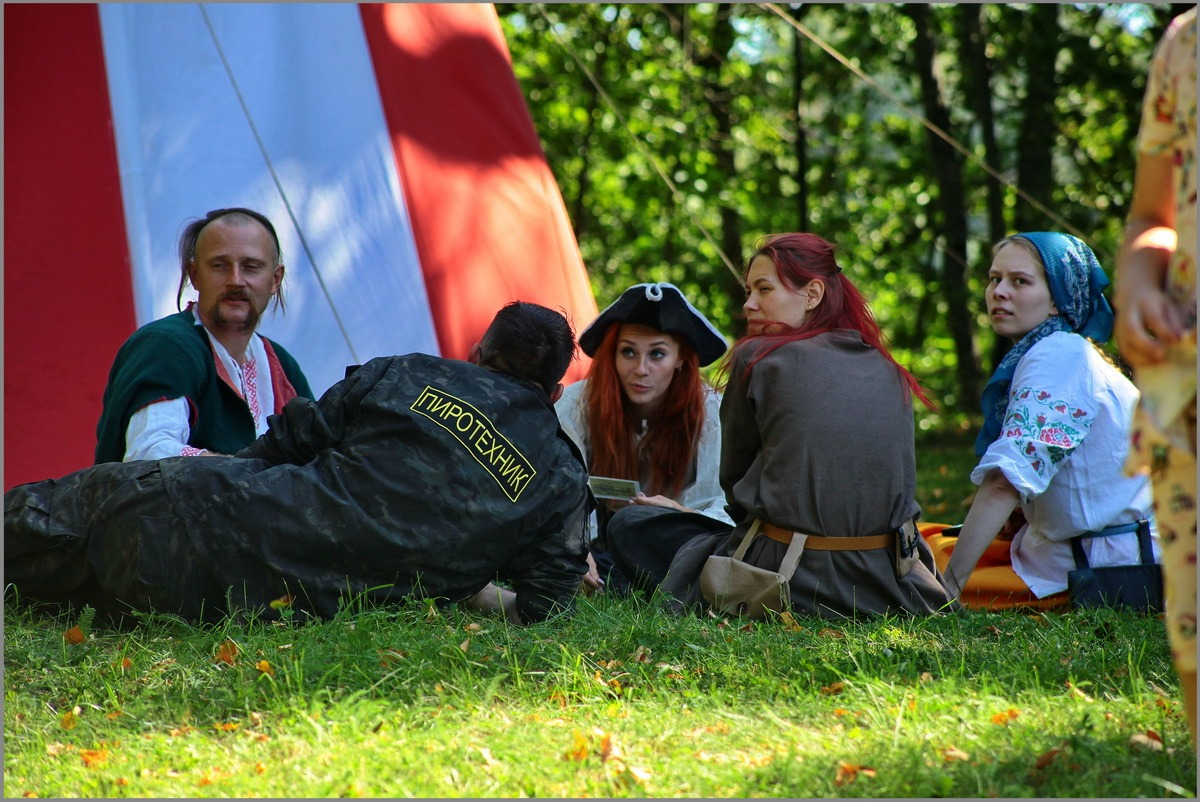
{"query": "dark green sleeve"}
{"type": "Point", "coordinates": [154, 364]}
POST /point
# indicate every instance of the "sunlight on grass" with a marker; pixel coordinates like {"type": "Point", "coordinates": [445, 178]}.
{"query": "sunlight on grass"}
{"type": "Point", "coordinates": [620, 699]}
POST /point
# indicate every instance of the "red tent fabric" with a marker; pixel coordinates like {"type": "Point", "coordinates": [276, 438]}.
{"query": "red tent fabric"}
{"type": "Point", "coordinates": [390, 144]}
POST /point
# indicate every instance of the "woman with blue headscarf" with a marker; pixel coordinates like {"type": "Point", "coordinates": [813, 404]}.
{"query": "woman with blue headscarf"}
{"type": "Point", "coordinates": [1054, 438]}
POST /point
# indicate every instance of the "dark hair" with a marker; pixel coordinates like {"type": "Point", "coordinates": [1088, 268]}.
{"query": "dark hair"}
{"type": "Point", "coordinates": [236, 214]}
{"type": "Point", "coordinates": [529, 342]}
{"type": "Point", "coordinates": [801, 257]}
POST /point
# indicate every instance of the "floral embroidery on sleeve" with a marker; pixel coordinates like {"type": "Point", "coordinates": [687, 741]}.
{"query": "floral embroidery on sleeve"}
{"type": "Point", "coordinates": [1045, 429]}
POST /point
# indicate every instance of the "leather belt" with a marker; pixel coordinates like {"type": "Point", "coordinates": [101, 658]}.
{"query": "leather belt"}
{"type": "Point", "coordinates": [819, 543]}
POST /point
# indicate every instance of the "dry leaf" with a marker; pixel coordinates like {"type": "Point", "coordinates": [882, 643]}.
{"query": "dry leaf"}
{"type": "Point", "coordinates": [1149, 741]}
{"type": "Point", "coordinates": [265, 668]}
{"type": "Point", "coordinates": [68, 720]}
{"type": "Point", "coordinates": [114, 715]}
{"type": "Point", "coordinates": [836, 687]}
{"type": "Point", "coordinates": [1046, 758]}
{"type": "Point", "coordinates": [283, 602]}
{"type": "Point", "coordinates": [73, 636]}
{"type": "Point", "coordinates": [789, 622]}
{"type": "Point", "coordinates": [473, 627]}
{"type": "Point", "coordinates": [465, 645]}
{"type": "Point", "coordinates": [226, 726]}
{"type": "Point", "coordinates": [642, 655]}
{"type": "Point", "coordinates": [848, 773]}
{"type": "Point", "coordinates": [954, 753]}
{"type": "Point", "coordinates": [605, 747]}
{"type": "Point", "coordinates": [227, 652]}
{"type": "Point", "coordinates": [832, 633]}
{"type": "Point", "coordinates": [260, 768]}
{"type": "Point", "coordinates": [1079, 693]}
{"type": "Point", "coordinates": [579, 749]}
{"type": "Point", "coordinates": [1006, 716]}
{"type": "Point", "coordinates": [390, 657]}
{"type": "Point", "coordinates": [94, 757]}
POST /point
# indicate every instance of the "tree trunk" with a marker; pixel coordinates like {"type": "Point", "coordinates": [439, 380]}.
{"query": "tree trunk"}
{"type": "Point", "coordinates": [978, 68]}
{"type": "Point", "coordinates": [1035, 139]}
{"type": "Point", "coordinates": [719, 99]}
{"type": "Point", "coordinates": [947, 164]}
{"type": "Point", "coordinates": [801, 144]}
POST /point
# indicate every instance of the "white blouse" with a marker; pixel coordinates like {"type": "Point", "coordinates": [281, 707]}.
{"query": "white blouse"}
{"type": "Point", "coordinates": [704, 494]}
{"type": "Point", "coordinates": [1062, 446]}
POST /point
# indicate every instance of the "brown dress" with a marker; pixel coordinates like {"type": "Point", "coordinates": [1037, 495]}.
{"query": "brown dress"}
{"type": "Point", "coordinates": [818, 438]}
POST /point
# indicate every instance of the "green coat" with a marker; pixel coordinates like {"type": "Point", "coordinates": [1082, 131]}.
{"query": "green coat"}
{"type": "Point", "coordinates": [173, 358]}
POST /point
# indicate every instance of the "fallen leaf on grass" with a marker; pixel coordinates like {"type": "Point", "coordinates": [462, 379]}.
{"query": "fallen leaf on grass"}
{"type": "Point", "coordinates": [642, 655]}
{"type": "Point", "coordinates": [283, 602]}
{"type": "Point", "coordinates": [55, 749]}
{"type": "Point", "coordinates": [1079, 693]}
{"type": "Point", "coordinates": [390, 657]}
{"type": "Point", "coordinates": [121, 781]}
{"type": "Point", "coordinates": [789, 622]}
{"type": "Point", "coordinates": [832, 633]}
{"type": "Point", "coordinates": [259, 768]}
{"type": "Point", "coordinates": [465, 645]}
{"type": "Point", "coordinates": [473, 627]}
{"type": "Point", "coordinates": [114, 715]}
{"type": "Point", "coordinates": [265, 668]}
{"type": "Point", "coordinates": [226, 726]}
{"type": "Point", "coordinates": [835, 688]}
{"type": "Point", "coordinates": [848, 773]}
{"type": "Point", "coordinates": [69, 719]}
{"type": "Point", "coordinates": [227, 652]}
{"type": "Point", "coordinates": [954, 753]}
{"type": "Point", "coordinates": [1148, 740]}
{"type": "Point", "coordinates": [94, 757]}
{"type": "Point", "coordinates": [74, 636]}
{"type": "Point", "coordinates": [633, 775]}
{"type": "Point", "coordinates": [1007, 716]}
{"type": "Point", "coordinates": [1048, 757]}
{"type": "Point", "coordinates": [579, 749]}
{"type": "Point", "coordinates": [487, 756]}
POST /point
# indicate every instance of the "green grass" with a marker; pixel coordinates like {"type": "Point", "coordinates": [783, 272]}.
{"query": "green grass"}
{"type": "Point", "coordinates": [621, 699]}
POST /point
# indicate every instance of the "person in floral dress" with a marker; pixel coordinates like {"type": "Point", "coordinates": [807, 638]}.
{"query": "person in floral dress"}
{"type": "Point", "coordinates": [1054, 439]}
{"type": "Point", "coordinates": [1156, 326]}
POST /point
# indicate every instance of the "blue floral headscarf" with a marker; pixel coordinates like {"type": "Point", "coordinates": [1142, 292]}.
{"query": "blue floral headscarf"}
{"type": "Point", "coordinates": [1077, 285]}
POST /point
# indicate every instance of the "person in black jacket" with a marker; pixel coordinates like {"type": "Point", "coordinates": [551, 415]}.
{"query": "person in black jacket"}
{"type": "Point", "coordinates": [413, 476]}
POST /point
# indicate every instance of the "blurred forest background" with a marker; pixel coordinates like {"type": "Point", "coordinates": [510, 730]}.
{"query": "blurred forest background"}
{"type": "Point", "coordinates": [913, 136]}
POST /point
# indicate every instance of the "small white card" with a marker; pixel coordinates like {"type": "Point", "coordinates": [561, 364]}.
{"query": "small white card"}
{"type": "Point", "coordinates": [607, 487]}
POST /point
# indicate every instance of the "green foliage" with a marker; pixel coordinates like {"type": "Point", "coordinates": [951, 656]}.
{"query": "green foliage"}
{"type": "Point", "coordinates": [637, 149]}
{"type": "Point", "coordinates": [619, 700]}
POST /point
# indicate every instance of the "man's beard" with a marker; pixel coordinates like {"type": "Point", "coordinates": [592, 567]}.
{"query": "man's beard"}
{"type": "Point", "coordinates": [250, 323]}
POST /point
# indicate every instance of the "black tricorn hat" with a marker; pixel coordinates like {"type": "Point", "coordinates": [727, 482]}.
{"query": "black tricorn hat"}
{"type": "Point", "coordinates": [660, 306]}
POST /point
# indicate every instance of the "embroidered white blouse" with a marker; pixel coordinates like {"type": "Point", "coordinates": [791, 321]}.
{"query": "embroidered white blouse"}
{"type": "Point", "coordinates": [162, 429]}
{"type": "Point", "coordinates": [1062, 446]}
{"type": "Point", "coordinates": [704, 494]}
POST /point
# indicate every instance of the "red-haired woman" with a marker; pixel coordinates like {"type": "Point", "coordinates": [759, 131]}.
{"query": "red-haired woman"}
{"type": "Point", "coordinates": [644, 412]}
{"type": "Point", "coordinates": [817, 444]}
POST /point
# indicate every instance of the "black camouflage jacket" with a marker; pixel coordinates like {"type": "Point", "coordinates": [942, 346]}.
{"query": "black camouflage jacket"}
{"type": "Point", "coordinates": [415, 475]}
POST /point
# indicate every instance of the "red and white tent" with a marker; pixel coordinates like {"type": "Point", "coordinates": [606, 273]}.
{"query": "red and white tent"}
{"type": "Point", "coordinates": [390, 144]}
